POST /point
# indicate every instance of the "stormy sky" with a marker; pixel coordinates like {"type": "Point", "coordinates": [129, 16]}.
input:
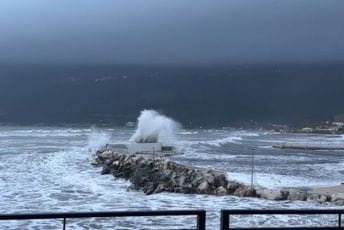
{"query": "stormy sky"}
{"type": "Point", "coordinates": [171, 31]}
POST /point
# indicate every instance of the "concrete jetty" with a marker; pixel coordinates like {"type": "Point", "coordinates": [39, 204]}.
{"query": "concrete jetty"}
{"type": "Point", "coordinates": [309, 146]}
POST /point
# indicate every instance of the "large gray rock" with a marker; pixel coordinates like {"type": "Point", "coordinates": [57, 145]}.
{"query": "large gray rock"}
{"type": "Point", "coordinates": [245, 191]}
{"type": "Point", "coordinates": [232, 186]}
{"type": "Point", "coordinates": [220, 191]}
{"type": "Point", "coordinates": [338, 198]}
{"type": "Point", "coordinates": [296, 194]}
{"type": "Point", "coordinates": [209, 177]}
{"type": "Point", "coordinates": [272, 194]}
{"type": "Point", "coordinates": [106, 169]}
{"type": "Point", "coordinates": [221, 180]}
{"type": "Point", "coordinates": [319, 198]}
{"type": "Point", "coordinates": [106, 155]}
{"type": "Point", "coordinates": [141, 176]}
{"type": "Point", "coordinates": [203, 188]}
{"type": "Point", "coordinates": [187, 189]}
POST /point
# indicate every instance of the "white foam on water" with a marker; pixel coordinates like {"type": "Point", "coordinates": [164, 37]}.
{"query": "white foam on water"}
{"type": "Point", "coordinates": [251, 134]}
{"type": "Point", "coordinates": [235, 137]}
{"type": "Point", "coordinates": [266, 147]}
{"type": "Point", "coordinates": [278, 181]}
{"type": "Point", "coordinates": [49, 132]}
{"type": "Point", "coordinates": [188, 132]}
{"type": "Point", "coordinates": [330, 167]}
{"type": "Point", "coordinates": [222, 141]}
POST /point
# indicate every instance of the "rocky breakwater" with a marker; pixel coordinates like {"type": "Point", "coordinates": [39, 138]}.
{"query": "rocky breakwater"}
{"type": "Point", "coordinates": [163, 175]}
{"type": "Point", "coordinates": [333, 194]}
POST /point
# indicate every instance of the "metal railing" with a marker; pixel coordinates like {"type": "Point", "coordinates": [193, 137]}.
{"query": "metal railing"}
{"type": "Point", "coordinates": [226, 214]}
{"type": "Point", "coordinates": [200, 225]}
{"type": "Point", "coordinates": [200, 214]}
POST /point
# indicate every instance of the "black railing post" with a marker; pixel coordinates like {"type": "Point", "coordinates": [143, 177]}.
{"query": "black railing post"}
{"type": "Point", "coordinates": [224, 220]}
{"type": "Point", "coordinates": [201, 220]}
{"type": "Point", "coordinates": [340, 220]}
{"type": "Point", "coordinates": [64, 223]}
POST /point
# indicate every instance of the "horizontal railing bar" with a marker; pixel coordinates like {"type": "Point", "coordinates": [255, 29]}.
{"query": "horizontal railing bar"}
{"type": "Point", "coordinates": [282, 211]}
{"type": "Point", "coordinates": [25, 216]}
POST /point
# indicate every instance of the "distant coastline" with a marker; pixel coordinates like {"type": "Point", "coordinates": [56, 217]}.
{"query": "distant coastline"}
{"type": "Point", "coordinates": [211, 96]}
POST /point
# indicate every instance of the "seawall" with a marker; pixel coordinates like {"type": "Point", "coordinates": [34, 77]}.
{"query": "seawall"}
{"type": "Point", "coordinates": [164, 175]}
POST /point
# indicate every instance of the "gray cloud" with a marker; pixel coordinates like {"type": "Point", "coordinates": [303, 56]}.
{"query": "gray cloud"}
{"type": "Point", "coordinates": [171, 31]}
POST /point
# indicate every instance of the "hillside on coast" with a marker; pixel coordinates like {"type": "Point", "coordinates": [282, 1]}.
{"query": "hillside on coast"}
{"type": "Point", "coordinates": [196, 96]}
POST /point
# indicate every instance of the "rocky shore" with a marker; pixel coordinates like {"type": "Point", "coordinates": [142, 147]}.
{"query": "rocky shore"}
{"type": "Point", "coordinates": [164, 175]}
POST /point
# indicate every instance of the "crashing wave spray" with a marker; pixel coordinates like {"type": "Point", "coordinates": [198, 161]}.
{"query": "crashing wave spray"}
{"type": "Point", "coordinates": [153, 127]}
{"type": "Point", "coordinates": [97, 139]}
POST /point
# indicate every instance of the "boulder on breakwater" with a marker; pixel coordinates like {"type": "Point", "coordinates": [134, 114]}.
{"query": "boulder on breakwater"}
{"type": "Point", "coordinates": [163, 175]}
{"type": "Point", "coordinates": [333, 194]}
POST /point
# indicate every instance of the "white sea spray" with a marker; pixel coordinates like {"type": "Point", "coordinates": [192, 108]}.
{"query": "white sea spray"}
{"type": "Point", "coordinates": [154, 127]}
{"type": "Point", "coordinates": [97, 139]}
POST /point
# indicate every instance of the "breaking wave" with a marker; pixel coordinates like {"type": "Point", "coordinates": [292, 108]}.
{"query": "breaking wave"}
{"type": "Point", "coordinates": [97, 139]}
{"type": "Point", "coordinates": [236, 138]}
{"type": "Point", "coordinates": [222, 141]}
{"type": "Point", "coordinates": [153, 127]}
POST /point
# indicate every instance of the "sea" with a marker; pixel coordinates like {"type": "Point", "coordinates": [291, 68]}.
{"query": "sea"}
{"type": "Point", "coordinates": [49, 169]}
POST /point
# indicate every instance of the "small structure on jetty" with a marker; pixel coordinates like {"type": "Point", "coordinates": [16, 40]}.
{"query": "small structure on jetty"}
{"type": "Point", "coordinates": [144, 147]}
{"type": "Point", "coordinates": [148, 149]}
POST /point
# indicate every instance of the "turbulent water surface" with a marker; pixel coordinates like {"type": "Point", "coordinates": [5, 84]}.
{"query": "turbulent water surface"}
{"type": "Point", "coordinates": [48, 169]}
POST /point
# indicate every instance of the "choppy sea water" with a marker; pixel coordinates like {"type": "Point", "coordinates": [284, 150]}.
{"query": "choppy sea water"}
{"type": "Point", "coordinates": [48, 169]}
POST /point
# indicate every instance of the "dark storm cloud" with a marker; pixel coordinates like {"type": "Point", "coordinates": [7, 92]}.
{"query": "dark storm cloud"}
{"type": "Point", "coordinates": [171, 31]}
